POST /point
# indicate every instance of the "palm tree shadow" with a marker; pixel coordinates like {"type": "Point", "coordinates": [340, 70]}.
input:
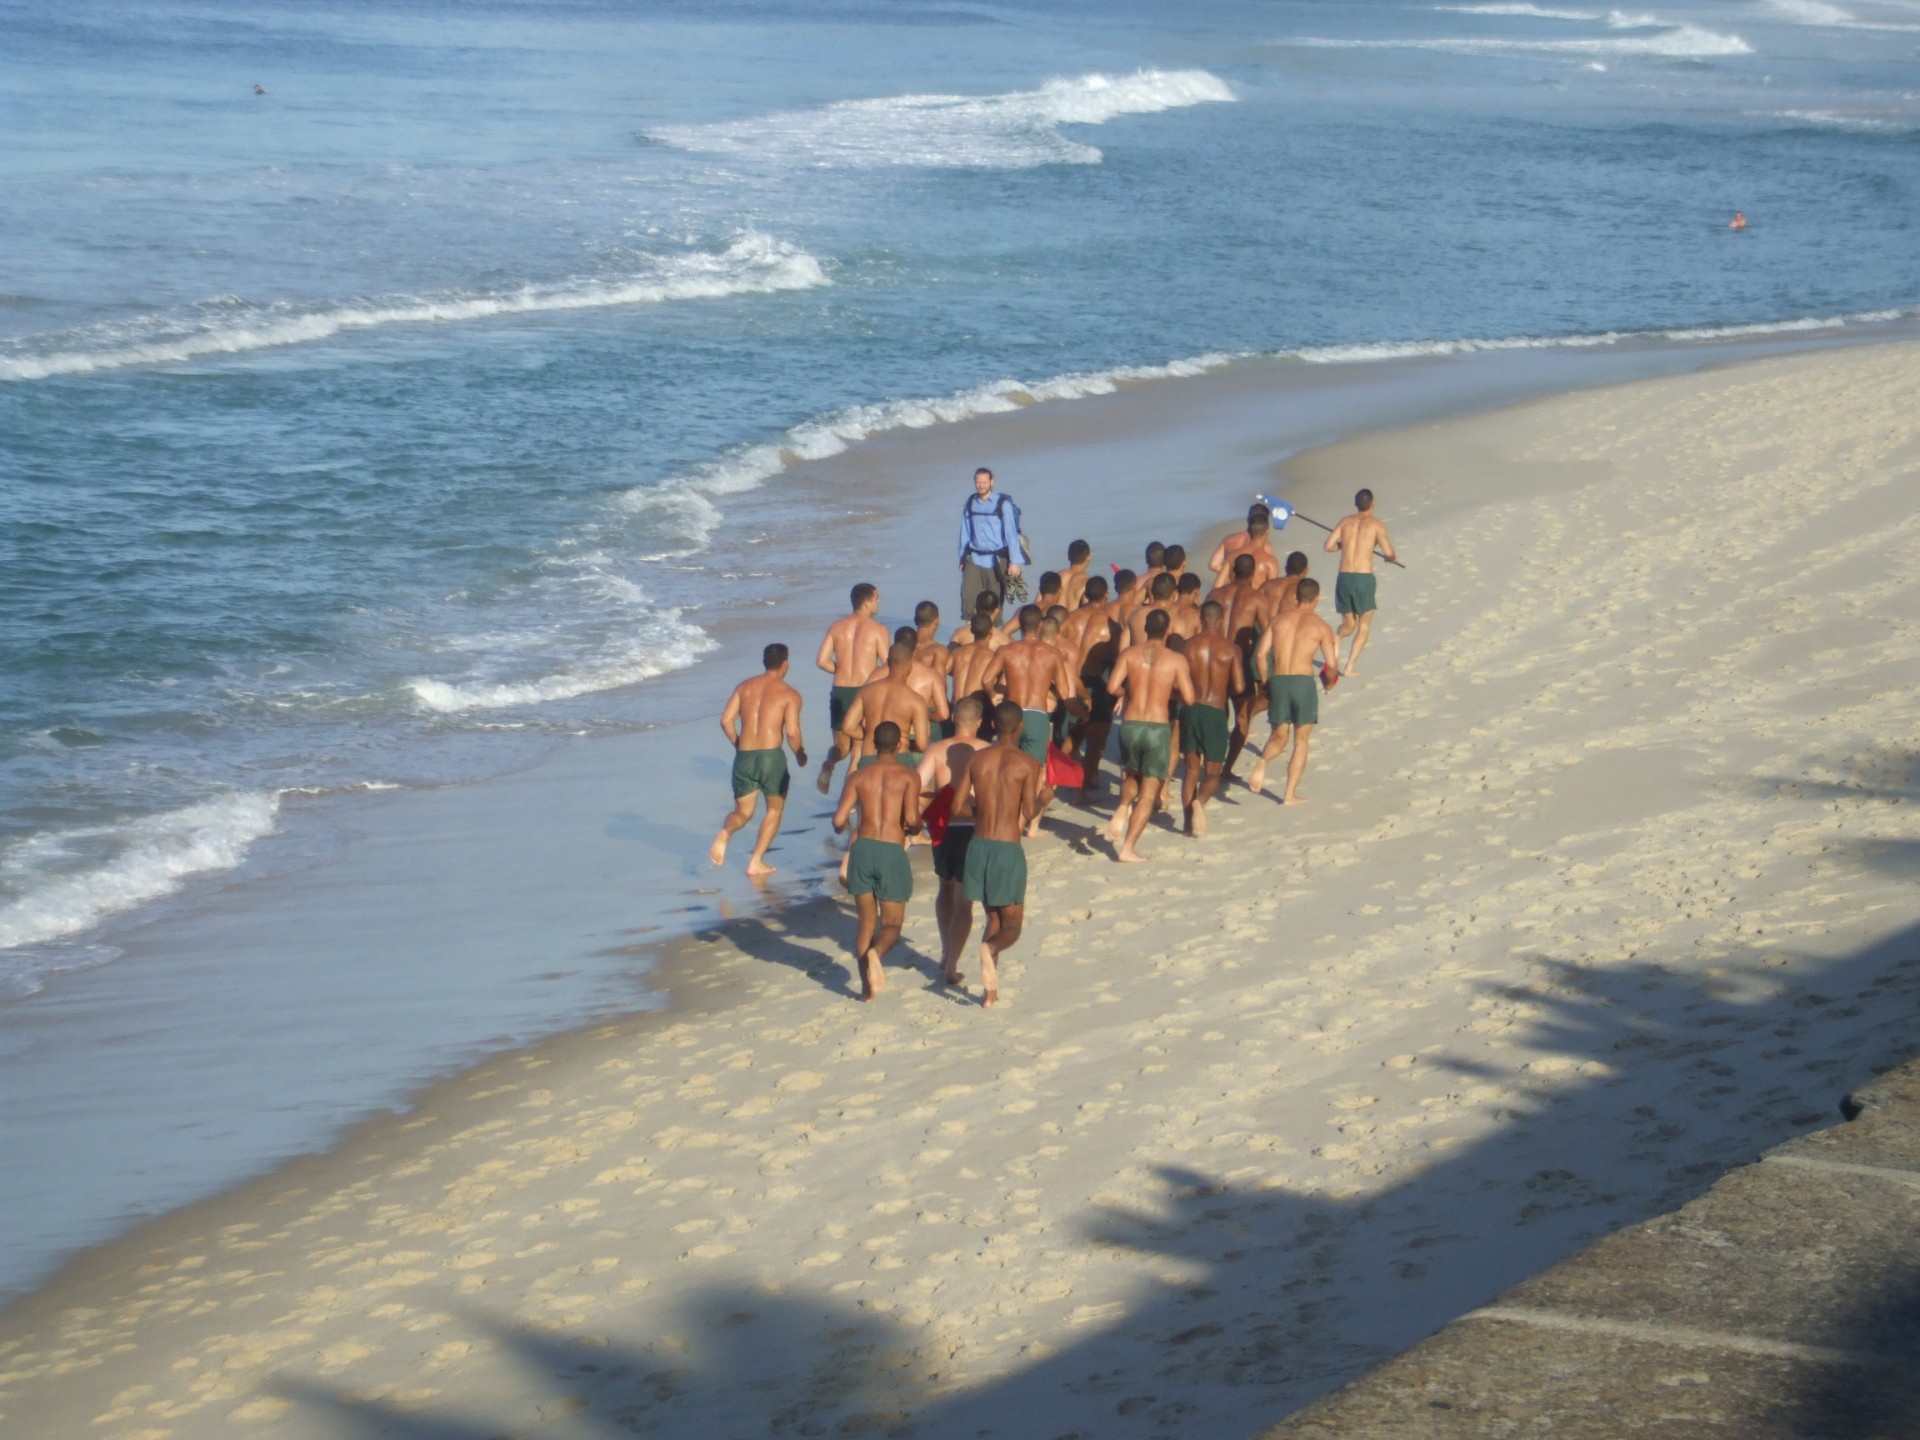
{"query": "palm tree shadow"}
{"type": "Point", "coordinates": [1257, 1297]}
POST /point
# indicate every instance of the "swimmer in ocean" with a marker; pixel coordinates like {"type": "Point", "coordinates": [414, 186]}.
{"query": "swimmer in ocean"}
{"type": "Point", "coordinates": [1739, 221]}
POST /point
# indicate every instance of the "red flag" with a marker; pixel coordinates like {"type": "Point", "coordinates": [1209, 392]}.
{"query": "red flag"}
{"type": "Point", "coordinates": [1063, 770]}
{"type": "Point", "coordinates": [939, 810]}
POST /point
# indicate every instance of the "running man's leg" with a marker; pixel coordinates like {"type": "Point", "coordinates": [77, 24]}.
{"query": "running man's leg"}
{"type": "Point", "coordinates": [769, 827]}
{"type": "Point", "coordinates": [892, 914]}
{"type": "Point", "coordinates": [871, 980]}
{"type": "Point", "coordinates": [1297, 764]}
{"type": "Point", "coordinates": [1276, 742]}
{"type": "Point", "coordinates": [1003, 928]}
{"type": "Point", "coordinates": [1150, 788]}
{"type": "Point", "coordinates": [1129, 793]}
{"type": "Point", "coordinates": [732, 825]}
{"type": "Point", "coordinates": [1361, 633]}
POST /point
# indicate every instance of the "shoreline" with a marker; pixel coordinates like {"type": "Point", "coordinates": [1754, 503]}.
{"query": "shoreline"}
{"type": "Point", "coordinates": [1212, 1140]}
{"type": "Point", "coordinates": [1124, 425]}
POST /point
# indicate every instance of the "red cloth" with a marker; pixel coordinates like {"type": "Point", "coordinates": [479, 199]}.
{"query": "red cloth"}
{"type": "Point", "coordinates": [1063, 770]}
{"type": "Point", "coordinates": [938, 811]}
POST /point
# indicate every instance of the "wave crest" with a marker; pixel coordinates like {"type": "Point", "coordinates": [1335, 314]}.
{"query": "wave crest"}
{"type": "Point", "coordinates": [1016, 130]}
{"type": "Point", "coordinates": [751, 264]}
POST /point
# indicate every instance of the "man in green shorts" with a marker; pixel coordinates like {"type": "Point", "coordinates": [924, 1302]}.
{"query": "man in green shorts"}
{"type": "Point", "coordinates": [1288, 650]}
{"type": "Point", "coordinates": [878, 876]}
{"type": "Point", "coordinates": [1146, 680]}
{"type": "Point", "coordinates": [854, 647]}
{"type": "Point", "coordinates": [1001, 793]}
{"type": "Point", "coordinates": [1219, 673]}
{"type": "Point", "coordinates": [760, 714]}
{"type": "Point", "coordinates": [1034, 676]}
{"type": "Point", "coordinates": [941, 771]}
{"type": "Point", "coordinates": [1358, 538]}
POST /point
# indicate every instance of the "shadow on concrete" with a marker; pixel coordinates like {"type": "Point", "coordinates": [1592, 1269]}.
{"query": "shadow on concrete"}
{"type": "Point", "coordinates": [1254, 1301]}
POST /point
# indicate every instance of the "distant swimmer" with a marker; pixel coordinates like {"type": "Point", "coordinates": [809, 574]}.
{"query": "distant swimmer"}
{"type": "Point", "coordinates": [1147, 679]}
{"type": "Point", "coordinates": [761, 714]}
{"type": "Point", "coordinates": [1002, 792]}
{"type": "Point", "coordinates": [1357, 538]}
{"type": "Point", "coordinates": [879, 878]}
{"type": "Point", "coordinates": [853, 649]}
{"type": "Point", "coordinates": [259, 89]}
{"type": "Point", "coordinates": [1286, 653]}
{"type": "Point", "coordinates": [1739, 221]}
{"type": "Point", "coordinates": [1219, 674]}
{"type": "Point", "coordinates": [941, 770]}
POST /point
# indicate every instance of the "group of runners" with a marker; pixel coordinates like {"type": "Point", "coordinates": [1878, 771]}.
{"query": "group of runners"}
{"type": "Point", "coordinates": [963, 740]}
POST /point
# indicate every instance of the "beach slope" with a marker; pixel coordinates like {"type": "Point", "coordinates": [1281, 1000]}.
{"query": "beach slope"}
{"type": "Point", "coordinates": [1604, 884]}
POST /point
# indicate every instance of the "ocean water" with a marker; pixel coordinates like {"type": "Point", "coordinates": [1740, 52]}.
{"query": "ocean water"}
{"type": "Point", "coordinates": [386, 427]}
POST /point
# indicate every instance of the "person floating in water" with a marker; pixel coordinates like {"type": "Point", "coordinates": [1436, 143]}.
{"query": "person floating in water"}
{"type": "Point", "coordinates": [259, 89]}
{"type": "Point", "coordinates": [1739, 221]}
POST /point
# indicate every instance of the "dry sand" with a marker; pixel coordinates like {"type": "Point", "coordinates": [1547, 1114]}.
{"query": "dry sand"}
{"type": "Point", "coordinates": [1605, 883]}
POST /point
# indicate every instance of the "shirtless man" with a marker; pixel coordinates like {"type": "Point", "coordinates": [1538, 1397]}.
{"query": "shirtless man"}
{"type": "Point", "coordinates": [941, 770]}
{"type": "Point", "coordinates": [1148, 676]}
{"type": "Point", "coordinates": [1286, 652]}
{"type": "Point", "coordinates": [1356, 538]}
{"type": "Point", "coordinates": [928, 679]}
{"type": "Point", "coordinates": [1048, 597]}
{"type": "Point", "coordinates": [760, 714]}
{"type": "Point", "coordinates": [970, 664]}
{"type": "Point", "coordinates": [989, 606]}
{"type": "Point", "coordinates": [1156, 563]}
{"type": "Point", "coordinates": [855, 644]}
{"type": "Point", "coordinates": [1160, 593]}
{"type": "Point", "coordinates": [1219, 674]}
{"type": "Point", "coordinates": [1184, 617]}
{"type": "Point", "coordinates": [1032, 672]}
{"type": "Point", "coordinates": [1073, 584]}
{"type": "Point", "coordinates": [1003, 791]}
{"type": "Point", "coordinates": [878, 876]}
{"type": "Point", "coordinates": [930, 653]}
{"type": "Point", "coordinates": [1089, 634]}
{"type": "Point", "coordinates": [1174, 561]}
{"type": "Point", "coordinates": [890, 699]}
{"type": "Point", "coordinates": [1256, 540]}
{"type": "Point", "coordinates": [1240, 598]}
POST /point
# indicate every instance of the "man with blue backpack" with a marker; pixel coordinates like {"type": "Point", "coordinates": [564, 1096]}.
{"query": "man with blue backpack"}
{"type": "Point", "coordinates": [991, 549]}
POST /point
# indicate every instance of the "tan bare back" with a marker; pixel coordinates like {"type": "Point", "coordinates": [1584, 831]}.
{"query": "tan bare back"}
{"type": "Point", "coordinates": [1001, 790]}
{"type": "Point", "coordinates": [1147, 677]}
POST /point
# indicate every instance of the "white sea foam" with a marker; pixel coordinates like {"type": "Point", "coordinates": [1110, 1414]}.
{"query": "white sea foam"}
{"type": "Point", "coordinates": [1535, 11]}
{"type": "Point", "coordinates": [751, 264]}
{"type": "Point", "coordinates": [1831, 120]}
{"type": "Point", "coordinates": [682, 508]}
{"type": "Point", "coordinates": [1662, 39]}
{"type": "Point", "coordinates": [1820, 14]}
{"type": "Point", "coordinates": [1016, 130]}
{"type": "Point", "coordinates": [60, 889]}
{"type": "Point", "coordinates": [1416, 349]}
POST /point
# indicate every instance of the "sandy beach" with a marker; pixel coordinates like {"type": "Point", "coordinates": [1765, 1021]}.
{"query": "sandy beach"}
{"type": "Point", "coordinates": [1604, 884]}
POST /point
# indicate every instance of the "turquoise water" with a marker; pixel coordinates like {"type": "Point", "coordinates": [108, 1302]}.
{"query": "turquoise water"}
{"type": "Point", "coordinates": [390, 427]}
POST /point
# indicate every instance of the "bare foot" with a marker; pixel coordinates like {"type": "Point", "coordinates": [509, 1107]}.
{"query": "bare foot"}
{"type": "Point", "coordinates": [1257, 778]}
{"type": "Point", "coordinates": [1187, 827]}
{"type": "Point", "coordinates": [760, 867]}
{"type": "Point", "coordinates": [872, 980]}
{"type": "Point", "coordinates": [825, 782]}
{"type": "Point", "coordinates": [1117, 826]}
{"type": "Point", "coordinates": [952, 977]}
{"type": "Point", "coordinates": [991, 997]}
{"type": "Point", "coordinates": [718, 854]}
{"type": "Point", "coordinates": [1199, 822]}
{"type": "Point", "coordinates": [1130, 856]}
{"type": "Point", "coordinates": [1293, 799]}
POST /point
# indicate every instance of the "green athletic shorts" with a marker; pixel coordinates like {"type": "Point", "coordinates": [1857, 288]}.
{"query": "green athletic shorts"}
{"type": "Point", "coordinates": [1353, 594]}
{"type": "Point", "coordinates": [879, 868]}
{"type": "Point", "coordinates": [950, 855]}
{"type": "Point", "coordinates": [1146, 748]}
{"type": "Point", "coordinates": [1293, 700]}
{"type": "Point", "coordinates": [1035, 726]}
{"type": "Point", "coordinates": [996, 873]}
{"type": "Point", "coordinates": [840, 700]}
{"type": "Point", "coordinates": [762, 770]}
{"type": "Point", "coordinates": [1204, 732]}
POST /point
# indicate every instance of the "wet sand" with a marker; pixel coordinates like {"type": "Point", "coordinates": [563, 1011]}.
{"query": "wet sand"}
{"type": "Point", "coordinates": [1605, 884]}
